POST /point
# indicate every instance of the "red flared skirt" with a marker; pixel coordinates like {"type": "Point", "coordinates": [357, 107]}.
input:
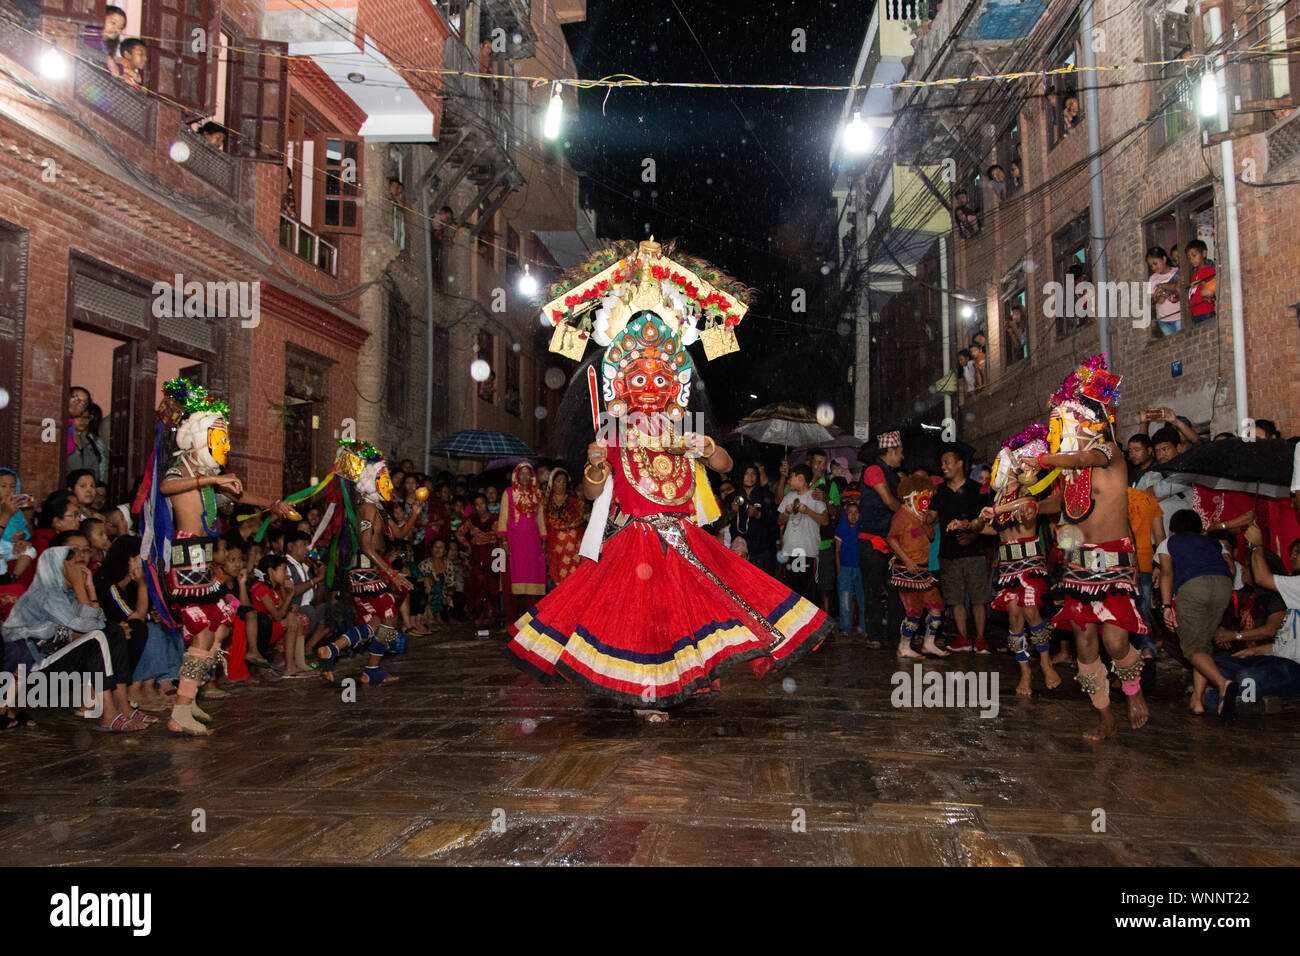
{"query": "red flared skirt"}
{"type": "Point", "coordinates": [653, 621]}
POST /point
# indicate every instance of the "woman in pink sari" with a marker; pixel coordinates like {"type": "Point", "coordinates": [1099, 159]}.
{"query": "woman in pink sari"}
{"type": "Point", "coordinates": [522, 523]}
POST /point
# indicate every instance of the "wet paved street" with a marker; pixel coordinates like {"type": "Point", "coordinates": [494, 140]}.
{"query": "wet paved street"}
{"type": "Point", "coordinates": [466, 761]}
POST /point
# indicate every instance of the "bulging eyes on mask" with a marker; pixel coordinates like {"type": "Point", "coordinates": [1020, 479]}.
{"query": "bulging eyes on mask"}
{"type": "Point", "coordinates": [219, 445]}
{"type": "Point", "coordinates": [384, 485]}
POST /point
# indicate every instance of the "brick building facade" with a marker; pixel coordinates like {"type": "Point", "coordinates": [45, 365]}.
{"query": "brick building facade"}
{"type": "Point", "coordinates": [1162, 186]}
{"type": "Point", "coordinates": [108, 196]}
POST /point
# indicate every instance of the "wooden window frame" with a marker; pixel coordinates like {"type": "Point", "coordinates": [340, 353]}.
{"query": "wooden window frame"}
{"type": "Point", "coordinates": [397, 383]}
{"type": "Point", "coordinates": [1016, 295]}
{"type": "Point", "coordinates": [259, 75]}
{"type": "Point", "coordinates": [1063, 85]}
{"type": "Point", "coordinates": [485, 349]}
{"type": "Point", "coordinates": [15, 249]}
{"type": "Point", "coordinates": [88, 12]}
{"type": "Point", "coordinates": [512, 397]}
{"type": "Point", "coordinates": [330, 186]}
{"type": "Point", "coordinates": [171, 53]}
{"type": "Point", "coordinates": [1183, 209]}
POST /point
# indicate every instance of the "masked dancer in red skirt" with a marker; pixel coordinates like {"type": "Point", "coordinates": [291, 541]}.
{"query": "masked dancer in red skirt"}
{"type": "Point", "coordinates": [661, 605]}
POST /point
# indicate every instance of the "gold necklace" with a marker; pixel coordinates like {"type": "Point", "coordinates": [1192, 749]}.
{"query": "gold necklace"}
{"type": "Point", "coordinates": [662, 477]}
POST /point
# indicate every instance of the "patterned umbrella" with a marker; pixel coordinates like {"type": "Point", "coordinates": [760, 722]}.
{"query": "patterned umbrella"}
{"type": "Point", "coordinates": [476, 443]}
{"type": "Point", "coordinates": [784, 423]}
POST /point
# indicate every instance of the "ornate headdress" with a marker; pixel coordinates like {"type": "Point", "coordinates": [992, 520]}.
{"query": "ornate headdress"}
{"type": "Point", "coordinates": [1082, 419]}
{"type": "Point", "coordinates": [200, 421]}
{"type": "Point", "coordinates": [1018, 455]}
{"type": "Point", "coordinates": [361, 463]}
{"type": "Point", "coordinates": [598, 299]}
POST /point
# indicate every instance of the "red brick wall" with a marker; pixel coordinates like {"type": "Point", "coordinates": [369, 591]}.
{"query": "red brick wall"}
{"type": "Point", "coordinates": [1138, 182]}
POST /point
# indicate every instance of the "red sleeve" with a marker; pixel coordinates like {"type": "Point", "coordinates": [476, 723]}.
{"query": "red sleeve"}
{"type": "Point", "coordinates": [873, 476]}
{"type": "Point", "coordinates": [259, 591]}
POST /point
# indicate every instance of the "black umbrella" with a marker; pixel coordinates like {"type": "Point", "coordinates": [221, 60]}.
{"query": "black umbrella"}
{"type": "Point", "coordinates": [1231, 461]}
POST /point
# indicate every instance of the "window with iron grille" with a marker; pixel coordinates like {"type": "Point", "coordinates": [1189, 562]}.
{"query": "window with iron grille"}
{"type": "Point", "coordinates": [512, 382]}
{"type": "Point", "coordinates": [487, 350]}
{"type": "Point", "coordinates": [1170, 29]}
{"type": "Point", "coordinates": [1072, 266]}
{"type": "Point", "coordinates": [399, 346]}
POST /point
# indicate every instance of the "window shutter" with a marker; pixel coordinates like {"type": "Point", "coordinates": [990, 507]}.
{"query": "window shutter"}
{"type": "Point", "coordinates": [180, 73]}
{"type": "Point", "coordinates": [78, 11]}
{"type": "Point", "coordinates": [337, 184]}
{"type": "Point", "coordinates": [259, 101]}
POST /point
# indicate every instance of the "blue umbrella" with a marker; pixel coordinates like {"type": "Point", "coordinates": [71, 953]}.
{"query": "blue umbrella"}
{"type": "Point", "coordinates": [476, 443]}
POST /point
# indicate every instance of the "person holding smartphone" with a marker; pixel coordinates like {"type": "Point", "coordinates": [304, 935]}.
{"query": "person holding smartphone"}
{"type": "Point", "coordinates": [801, 517]}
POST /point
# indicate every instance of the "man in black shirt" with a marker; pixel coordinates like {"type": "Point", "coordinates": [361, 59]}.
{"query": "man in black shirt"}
{"type": "Point", "coordinates": [963, 566]}
{"type": "Point", "coordinates": [754, 519]}
{"type": "Point", "coordinates": [1141, 456]}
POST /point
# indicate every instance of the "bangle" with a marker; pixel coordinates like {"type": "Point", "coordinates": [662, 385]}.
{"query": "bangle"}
{"type": "Point", "coordinates": [197, 486]}
{"type": "Point", "coordinates": [712, 449]}
{"type": "Point", "coordinates": [604, 475]}
{"type": "Point", "coordinates": [1041, 466]}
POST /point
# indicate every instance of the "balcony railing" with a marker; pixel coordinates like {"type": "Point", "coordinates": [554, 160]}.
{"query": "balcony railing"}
{"type": "Point", "coordinates": [116, 101]}
{"type": "Point", "coordinates": [308, 246]}
{"type": "Point", "coordinates": [212, 165]}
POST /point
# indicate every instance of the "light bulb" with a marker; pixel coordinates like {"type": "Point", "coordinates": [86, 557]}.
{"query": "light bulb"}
{"type": "Point", "coordinates": [857, 135]}
{"type": "Point", "coordinates": [54, 65]}
{"type": "Point", "coordinates": [1209, 94]}
{"type": "Point", "coordinates": [554, 114]}
{"type": "Point", "coordinates": [527, 282]}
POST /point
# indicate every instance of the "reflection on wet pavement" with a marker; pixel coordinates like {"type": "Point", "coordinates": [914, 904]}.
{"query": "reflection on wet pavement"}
{"type": "Point", "coordinates": [465, 761]}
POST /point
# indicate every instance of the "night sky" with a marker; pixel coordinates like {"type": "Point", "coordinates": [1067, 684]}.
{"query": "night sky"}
{"type": "Point", "coordinates": [741, 174]}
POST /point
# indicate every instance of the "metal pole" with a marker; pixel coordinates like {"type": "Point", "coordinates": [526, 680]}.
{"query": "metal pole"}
{"type": "Point", "coordinates": [1234, 281]}
{"type": "Point", "coordinates": [428, 332]}
{"type": "Point", "coordinates": [946, 312]}
{"type": "Point", "coordinates": [1098, 205]}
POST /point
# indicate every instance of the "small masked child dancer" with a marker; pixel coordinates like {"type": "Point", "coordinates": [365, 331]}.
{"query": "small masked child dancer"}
{"type": "Point", "coordinates": [909, 538]}
{"type": "Point", "coordinates": [1022, 563]}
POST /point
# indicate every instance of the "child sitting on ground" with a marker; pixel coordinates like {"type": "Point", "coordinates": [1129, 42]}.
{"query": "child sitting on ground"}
{"type": "Point", "coordinates": [278, 623]}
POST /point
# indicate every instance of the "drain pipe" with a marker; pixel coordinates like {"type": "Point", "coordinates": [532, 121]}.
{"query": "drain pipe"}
{"type": "Point", "coordinates": [1097, 209]}
{"type": "Point", "coordinates": [428, 332]}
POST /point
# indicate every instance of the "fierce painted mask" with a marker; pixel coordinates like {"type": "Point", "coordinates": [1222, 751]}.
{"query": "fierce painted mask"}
{"type": "Point", "coordinates": [647, 370]}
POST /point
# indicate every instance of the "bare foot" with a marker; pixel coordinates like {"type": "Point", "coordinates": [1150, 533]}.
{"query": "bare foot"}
{"type": "Point", "coordinates": [1137, 710]}
{"type": "Point", "coordinates": [933, 649]}
{"type": "Point", "coordinates": [1105, 726]}
{"type": "Point", "coordinates": [907, 653]}
{"type": "Point", "coordinates": [1025, 688]}
{"type": "Point", "coordinates": [1050, 677]}
{"type": "Point", "coordinates": [653, 716]}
